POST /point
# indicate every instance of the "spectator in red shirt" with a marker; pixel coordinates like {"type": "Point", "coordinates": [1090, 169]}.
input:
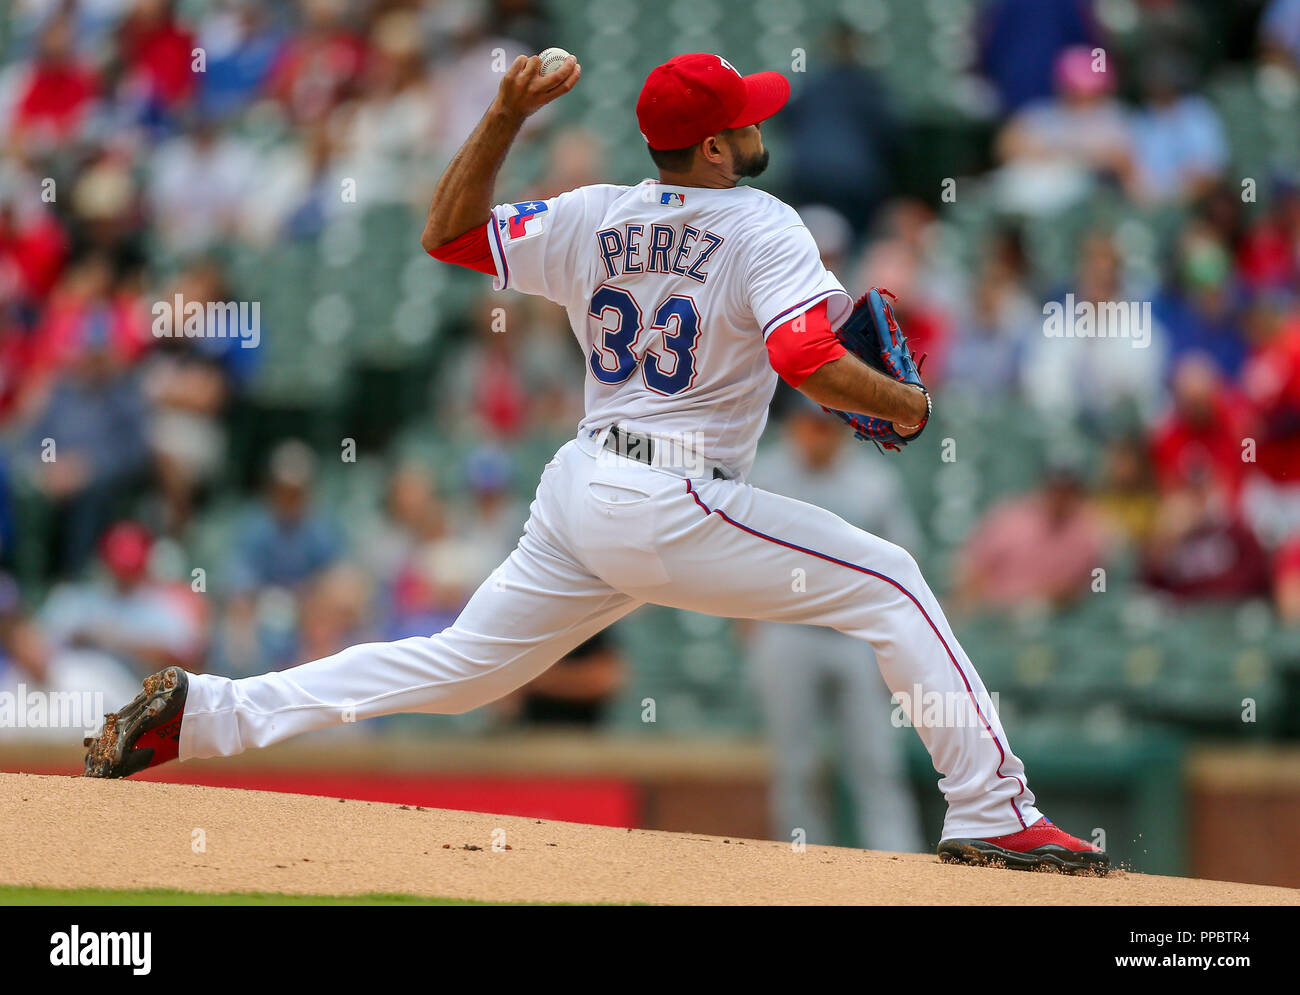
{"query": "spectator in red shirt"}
{"type": "Point", "coordinates": [485, 385]}
{"type": "Point", "coordinates": [1286, 581]}
{"type": "Point", "coordinates": [1271, 496]}
{"type": "Point", "coordinates": [1269, 257]}
{"type": "Point", "coordinates": [159, 54]}
{"type": "Point", "coordinates": [1204, 429]}
{"type": "Point", "coordinates": [1201, 548]}
{"type": "Point", "coordinates": [57, 94]}
{"type": "Point", "coordinates": [33, 249]}
{"type": "Point", "coordinates": [319, 65]}
{"type": "Point", "coordinates": [907, 259]}
{"type": "Point", "coordinates": [88, 305]}
{"type": "Point", "coordinates": [1272, 382]}
{"type": "Point", "coordinates": [15, 346]}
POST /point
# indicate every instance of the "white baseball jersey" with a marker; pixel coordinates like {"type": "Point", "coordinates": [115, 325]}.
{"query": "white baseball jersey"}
{"type": "Point", "coordinates": [671, 292]}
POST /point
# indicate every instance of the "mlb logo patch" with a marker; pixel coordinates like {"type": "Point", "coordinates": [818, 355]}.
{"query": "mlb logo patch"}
{"type": "Point", "coordinates": [670, 199]}
{"type": "Point", "coordinates": [528, 220]}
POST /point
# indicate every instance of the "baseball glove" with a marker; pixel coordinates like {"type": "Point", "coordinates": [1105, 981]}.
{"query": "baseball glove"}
{"type": "Point", "coordinates": [871, 332]}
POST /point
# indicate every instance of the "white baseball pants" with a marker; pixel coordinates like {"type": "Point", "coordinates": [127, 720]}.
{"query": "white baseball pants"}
{"type": "Point", "coordinates": [605, 534]}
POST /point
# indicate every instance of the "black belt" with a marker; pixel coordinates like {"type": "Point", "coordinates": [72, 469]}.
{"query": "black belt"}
{"type": "Point", "coordinates": [641, 448]}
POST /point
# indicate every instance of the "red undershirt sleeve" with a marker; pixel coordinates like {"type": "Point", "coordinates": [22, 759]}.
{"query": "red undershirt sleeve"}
{"type": "Point", "coordinates": [470, 250]}
{"type": "Point", "coordinates": [804, 344]}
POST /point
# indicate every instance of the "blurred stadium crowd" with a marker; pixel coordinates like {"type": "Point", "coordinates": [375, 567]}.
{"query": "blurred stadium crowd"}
{"type": "Point", "coordinates": [362, 468]}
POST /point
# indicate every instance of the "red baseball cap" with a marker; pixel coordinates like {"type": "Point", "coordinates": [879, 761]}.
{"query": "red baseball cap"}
{"type": "Point", "coordinates": [691, 97]}
{"type": "Point", "coordinates": [125, 549]}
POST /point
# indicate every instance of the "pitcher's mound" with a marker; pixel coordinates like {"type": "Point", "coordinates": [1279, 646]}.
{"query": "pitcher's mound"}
{"type": "Point", "coordinates": [71, 832]}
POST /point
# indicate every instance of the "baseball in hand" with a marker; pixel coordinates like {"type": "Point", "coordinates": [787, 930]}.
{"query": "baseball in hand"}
{"type": "Point", "coordinates": [552, 59]}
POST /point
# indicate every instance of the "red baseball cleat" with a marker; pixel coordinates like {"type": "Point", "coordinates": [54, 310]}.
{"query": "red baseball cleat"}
{"type": "Point", "coordinates": [146, 733]}
{"type": "Point", "coordinates": [1041, 845]}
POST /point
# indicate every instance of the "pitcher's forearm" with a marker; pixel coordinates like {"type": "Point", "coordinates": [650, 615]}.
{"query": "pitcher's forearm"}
{"type": "Point", "coordinates": [463, 198]}
{"type": "Point", "coordinates": [849, 384]}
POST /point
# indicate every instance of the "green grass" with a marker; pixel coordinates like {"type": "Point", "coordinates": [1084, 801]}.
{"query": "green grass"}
{"type": "Point", "coordinates": [16, 895]}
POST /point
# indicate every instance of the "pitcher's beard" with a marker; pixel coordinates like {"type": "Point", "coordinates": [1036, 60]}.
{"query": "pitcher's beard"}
{"type": "Point", "coordinates": [752, 165]}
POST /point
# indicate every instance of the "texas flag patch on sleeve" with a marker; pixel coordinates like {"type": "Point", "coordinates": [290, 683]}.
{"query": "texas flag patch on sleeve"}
{"type": "Point", "coordinates": [528, 220]}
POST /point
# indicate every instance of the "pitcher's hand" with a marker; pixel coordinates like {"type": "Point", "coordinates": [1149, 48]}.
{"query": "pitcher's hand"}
{"type": "Point", "coordinates": [524, 90]}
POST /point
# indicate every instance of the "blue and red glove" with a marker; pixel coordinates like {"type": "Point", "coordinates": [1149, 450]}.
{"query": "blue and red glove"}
{"type": "Point", "coordinates": [872, 333]}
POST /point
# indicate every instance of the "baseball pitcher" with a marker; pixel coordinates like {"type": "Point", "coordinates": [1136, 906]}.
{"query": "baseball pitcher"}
{"type": "Point", "coordinates": [688, 296]}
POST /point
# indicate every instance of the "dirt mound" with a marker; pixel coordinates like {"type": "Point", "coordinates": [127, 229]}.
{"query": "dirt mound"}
{"type": "Point", "coordinates": [71, 832]}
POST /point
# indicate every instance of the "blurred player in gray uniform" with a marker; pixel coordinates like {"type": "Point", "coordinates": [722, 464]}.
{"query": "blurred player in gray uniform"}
{"type": "Point", "coordinates": [806, 676]}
